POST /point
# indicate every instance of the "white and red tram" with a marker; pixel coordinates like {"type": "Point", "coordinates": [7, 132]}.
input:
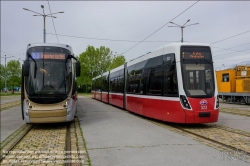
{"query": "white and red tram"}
{"type": "Point", "coordinates": [175, 83]}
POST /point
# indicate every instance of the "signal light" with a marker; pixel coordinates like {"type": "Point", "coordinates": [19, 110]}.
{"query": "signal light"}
{"type": "Point", "coordinates": [184, 102]}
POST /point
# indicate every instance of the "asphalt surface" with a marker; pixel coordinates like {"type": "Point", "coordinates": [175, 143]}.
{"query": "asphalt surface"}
{"type": "Point", "coordinates": [8, 99]}
{"type": "Point", "coordinates": [223, 104]}
{"type": "Point", "coordinates": [116, 137]}
{"type": "Point", "coordinates": [11, 120]}
{"type": "Point", "coordinates": [234, 121]}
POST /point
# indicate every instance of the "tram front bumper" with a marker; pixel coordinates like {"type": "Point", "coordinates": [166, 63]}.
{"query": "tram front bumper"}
{"type": "Point", "coordinates": [48, 116]}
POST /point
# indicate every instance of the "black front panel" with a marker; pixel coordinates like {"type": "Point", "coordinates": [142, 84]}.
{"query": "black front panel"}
{"type": "Point", "coordinates": [50, 74]}
{"type": "Point", "coordinates": [197, 71]}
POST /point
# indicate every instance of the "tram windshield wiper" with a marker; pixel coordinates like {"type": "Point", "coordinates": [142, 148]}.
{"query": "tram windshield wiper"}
{"type": "Point", "coordinates": [35, 64]}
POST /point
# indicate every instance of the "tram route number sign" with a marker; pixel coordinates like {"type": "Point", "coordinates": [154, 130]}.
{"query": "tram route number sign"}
{"type": "Point", "coordinates": [47, 55]}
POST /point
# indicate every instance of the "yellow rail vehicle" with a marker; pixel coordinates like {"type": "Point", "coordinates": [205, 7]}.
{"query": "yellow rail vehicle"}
{"type": "Point", "coordinates": [234, 84]}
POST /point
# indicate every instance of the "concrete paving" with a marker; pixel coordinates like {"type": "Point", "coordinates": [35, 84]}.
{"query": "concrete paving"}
{"type": "Point", "coordinates": [116, 137]}
{"type": "Point", "coordinates": [234, 121]}
{"type": "Point", "coordinates": [11, 120]}
{"type": "Point", "coordinates": [7, 99]}
{"type": "Point", "coordinates": [223, 104]}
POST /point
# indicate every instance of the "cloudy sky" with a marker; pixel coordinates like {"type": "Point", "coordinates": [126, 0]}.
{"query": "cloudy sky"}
{"type": "Point", "coordinates": [121, 25]}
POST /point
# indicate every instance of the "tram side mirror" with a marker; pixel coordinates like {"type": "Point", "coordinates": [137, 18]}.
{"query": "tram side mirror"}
{"type": "Point", "coordinates": [78, 69]}
{"type": "Point", "coordinates": [26, 66]}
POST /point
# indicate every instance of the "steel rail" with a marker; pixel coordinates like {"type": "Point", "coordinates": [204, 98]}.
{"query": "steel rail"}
{"type": "Point", "coordinates": [68, 147]}
{"type": "Point", "coordinates": [15, 143]}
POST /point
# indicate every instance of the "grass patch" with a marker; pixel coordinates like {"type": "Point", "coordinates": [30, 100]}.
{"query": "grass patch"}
{"type": "Point", "coordinates": [10, 94]}
{"type": "Point", "coordinates": [89, 95]}
{"type": "Point", "coordinates": [84, 142]}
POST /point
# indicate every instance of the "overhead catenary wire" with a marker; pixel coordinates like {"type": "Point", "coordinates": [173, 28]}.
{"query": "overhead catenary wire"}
{"type": "Point", "coordinates": [160, 41]}
{"type": "Point", "coordinates": [12, 55]}
{"type": "Point", "coordinates": [123, 40]}
{"type": "Point", "coordinates": [231, 60]}
{"type": "Point", "coordinates": [161, 27]}
{"type": "Point", "coordinates": [232, 51]}
{"type": "Point", "coordinates": [230, 37]}
{"type": "Point", "coordinates": [53, 22]}
{"type": "Point", "coordinates": [223, 49]}
{"type": "Point", "coordinates": [115, 40]}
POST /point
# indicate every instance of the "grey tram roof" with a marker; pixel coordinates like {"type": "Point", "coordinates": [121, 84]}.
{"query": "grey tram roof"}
{"type": "Point", "coordinates": [66, 46]}
{"type": "Point", "coordinates": [173, 47]}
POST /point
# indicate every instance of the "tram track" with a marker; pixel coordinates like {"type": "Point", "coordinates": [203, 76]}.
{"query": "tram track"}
{"type": "Point", "coordinates": [60, 144]}
{"type": "Point", "coordinates": [9, 105]}
{"type": "Point", "coordinates": [13, 140]}
{"type": "Point", "coordinates": [233, 144]}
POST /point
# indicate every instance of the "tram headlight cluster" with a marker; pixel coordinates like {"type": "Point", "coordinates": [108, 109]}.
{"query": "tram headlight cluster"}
{"type": "Point", "coordinates": [66, 104]}
{"type": "Point", "coordinates": [184, 102]}
{"type": "Point", "coordinates": [217, 102]}
{"type": "Point", "coordinates": [28, 104]}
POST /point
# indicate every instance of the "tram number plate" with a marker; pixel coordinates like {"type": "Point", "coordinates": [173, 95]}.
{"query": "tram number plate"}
{"type": "Point", "coordinates": [204, 107]}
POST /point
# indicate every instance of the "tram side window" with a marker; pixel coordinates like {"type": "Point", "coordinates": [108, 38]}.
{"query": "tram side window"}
{"type": "Point", "coordinates": [93, 85]}
{"type": "Point", "coordinates": [112, 85]}
{"type": "Point", "coordinates": [225, 77]}
{"type": "Point", "coordinates": [154, 81]}
{"type": "Point", "coordinates": [135, 79]}
{"type": "Point", "coordinates": [120, 84]}
{"type": "Point", "coordinates": [117, 81]}
{"type": "Point", "coordinates": [132, 86]}
{"type": "Point", "coordinates": [135, 82]}
{"type": "Point", "coordinates": [152, 76]}
{"type": "Point", "coordinates": [120, 81]}
{"type": "Point", "coordinates": [98, 84]}
{"type": "Point", "coordinates": [104, 84]}
{"type": "Point", "coordinates": [170, 76]}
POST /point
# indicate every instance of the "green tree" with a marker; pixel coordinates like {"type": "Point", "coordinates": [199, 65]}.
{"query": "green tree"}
{"type": "Point", "coordinates": [117, 61]}
{"type": "Point", "coordinates": [2, 76]}
{"type": "Point", "coordinates": [94, 62]}
{"type": "Point", "coordinates": [14, 74]}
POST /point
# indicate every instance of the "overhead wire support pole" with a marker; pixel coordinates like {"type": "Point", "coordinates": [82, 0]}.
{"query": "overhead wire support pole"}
{"type": "Point", "coordinates": [44, 17]}
{"type": "Point", "coordinates": [183, 26]}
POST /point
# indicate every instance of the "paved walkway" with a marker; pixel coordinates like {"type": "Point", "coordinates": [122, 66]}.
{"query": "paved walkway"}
{"type": "Point", "coordinates": [234, 121]}
{"type": "Point", "coordinates": [7, 99]}
{"type": "Point", "coordinates": [11, 120]}
{"type": "Point", "coordinates": [116, 137]}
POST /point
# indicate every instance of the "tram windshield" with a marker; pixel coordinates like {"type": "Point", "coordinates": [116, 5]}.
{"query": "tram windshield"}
{"type": "Point", "coordinates": [197, 71]}
{"type": "Point", "coordinates": [50, 71]}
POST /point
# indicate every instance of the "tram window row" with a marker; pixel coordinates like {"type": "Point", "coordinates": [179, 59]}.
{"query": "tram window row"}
{"type": "Point", "coordinates": [155, 76]}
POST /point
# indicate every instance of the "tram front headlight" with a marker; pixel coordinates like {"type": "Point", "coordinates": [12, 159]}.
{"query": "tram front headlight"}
{"type": "Point", "coordinates": [66, 104]}
{"type": "Point", "coordinates": [217, 102]}
{"type": "Point", "coordinates": [184, 102]}
{"type": "Point", "coordinates": [28, 103]}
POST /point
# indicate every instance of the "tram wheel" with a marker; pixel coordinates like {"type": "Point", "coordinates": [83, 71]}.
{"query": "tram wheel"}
{"type": "Point", "coordinates": [228, 100]}
{"type": "Point", "coordinates": [242, 101]}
